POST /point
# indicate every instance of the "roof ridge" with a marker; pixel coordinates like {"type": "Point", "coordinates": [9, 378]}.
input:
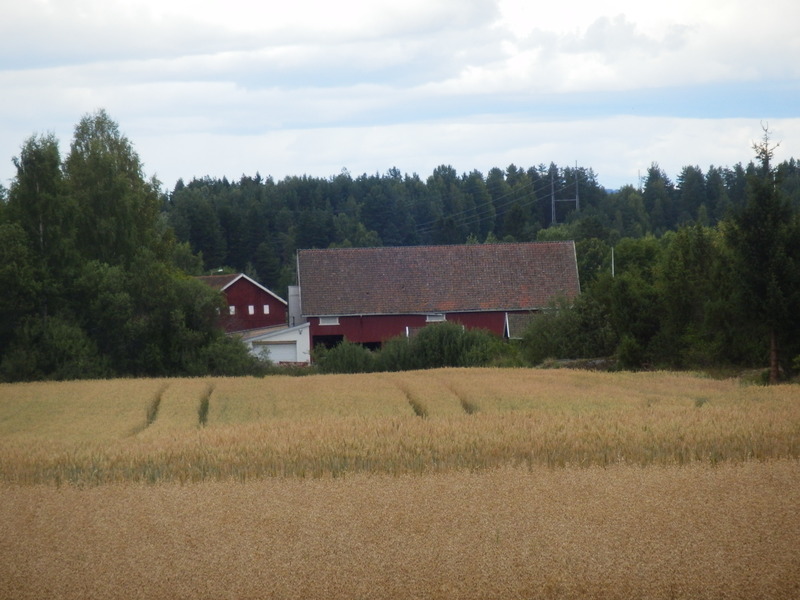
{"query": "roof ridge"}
{"type": "Point", "coordinates": [481, 245]}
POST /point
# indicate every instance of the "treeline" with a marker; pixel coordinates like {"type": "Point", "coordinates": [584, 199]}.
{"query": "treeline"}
{"type": "Point", "coordinates": [93, 279]}
{"type": "Point", "coordinates": [721, 289]}
{"type": "Point", "coordinates": [699, 272]}
{"type": "Point", "coordinates": [256, 225]}
{"type": "Point", "coordinates": [96, 260]}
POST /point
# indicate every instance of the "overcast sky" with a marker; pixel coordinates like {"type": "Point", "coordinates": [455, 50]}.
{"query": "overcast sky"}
{"type": "Point", "coordinates": [225, 88]}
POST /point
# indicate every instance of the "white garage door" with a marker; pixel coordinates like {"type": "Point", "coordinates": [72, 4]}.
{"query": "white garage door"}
{"type": "Point", "coordinates": [280, 351]}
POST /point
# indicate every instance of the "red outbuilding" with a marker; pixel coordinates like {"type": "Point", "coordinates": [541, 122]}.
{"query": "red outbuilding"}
{"type": "Point", "coordinates": [369, 295]}
{"type": "Point", "coordinates": [250, 304]}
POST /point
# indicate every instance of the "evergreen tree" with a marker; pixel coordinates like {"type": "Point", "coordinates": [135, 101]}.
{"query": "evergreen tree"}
{"type": "Point", "coordinates": [766, 240]}
{"type": "Point", "coordinates": [659, 201]}
{"type": "Point", "coordinates": [691, 195]}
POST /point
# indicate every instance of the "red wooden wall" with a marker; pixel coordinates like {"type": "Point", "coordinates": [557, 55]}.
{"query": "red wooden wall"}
{"type": "Point", "coordinates": [242, 295]}
{"type": "Point", "coordinates": [375, 329]}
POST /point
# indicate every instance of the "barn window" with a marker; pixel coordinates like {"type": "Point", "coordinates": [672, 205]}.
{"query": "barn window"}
{"type": "Point", "coordinates": [251, 310]}
{"type": "Point", "coordinates": [232, 310]}
{"type": "Point", "coordinates": [435, 318]}
{"type": "Point", "coordinates": [266, 309]}
{"type": "Point", "coordinates": [329, 320]}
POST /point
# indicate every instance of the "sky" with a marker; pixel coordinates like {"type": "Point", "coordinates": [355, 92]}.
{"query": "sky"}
{"type": "Point", "coordinates": [313, 87]}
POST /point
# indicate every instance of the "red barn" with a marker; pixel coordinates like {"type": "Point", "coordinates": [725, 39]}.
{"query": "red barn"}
{"type": "Point", "coordinates": [250, 304]}
{"type": "Point", "coordinates": [368, 295]}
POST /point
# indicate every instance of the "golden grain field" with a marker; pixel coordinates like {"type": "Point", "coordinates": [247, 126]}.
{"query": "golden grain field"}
{"type": "Point", "coordinates": [691, 532]}
{"type": "Point", "coordinates": [190, 430]}
{"type": "Point", "coordinates": [454, 483]}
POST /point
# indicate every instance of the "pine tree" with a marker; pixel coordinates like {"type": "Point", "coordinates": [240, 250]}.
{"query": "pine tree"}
{"type": "Point", "coordinates": [766, 240]}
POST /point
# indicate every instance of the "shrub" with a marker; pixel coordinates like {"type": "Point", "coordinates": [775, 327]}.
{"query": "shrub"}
{"type": "Point", "coordinates": [228, 356]}
{"type": "Point", "coordinates": [396, 355]}
{"type": "Point", "coordinates": [630, 353]}
{"type": "Point", "coordinates": [345, 357]}
{"type": "Point", "coordinates": [437, 345]}
{"type": "Point", "coordinates": [580, 330]}
{"type": "Point", "coordinates": [441, 345]}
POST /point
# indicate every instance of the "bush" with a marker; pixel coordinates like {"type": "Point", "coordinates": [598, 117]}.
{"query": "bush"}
{"type": "Point", "coordinates": [438, 345]}
{"type": "Point", "coordinates": [441, 345]}
{"type": "Point", "coordinates": [396, 355]}
{"type": "Point", "coordinates": [346, 357]}
{"type": "Point", "coordinates": [580, 330]}
{"type": "Point", "coordinates": [228, 356]}
{"type": "Point", "coordinates": [630, 354]}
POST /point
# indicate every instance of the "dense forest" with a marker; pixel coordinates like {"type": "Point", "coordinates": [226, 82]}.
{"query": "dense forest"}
{"type": "Point", "coordinates": [695, 273]}
{"type": "Point", "coordinates": [255, 225]}
{"type": "Point", "coordinates": [94, 281]}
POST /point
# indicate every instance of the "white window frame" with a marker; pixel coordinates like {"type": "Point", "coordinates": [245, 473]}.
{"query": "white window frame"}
{"type": "Point", "coordinates": [266, 309]}
{"type": "Point", "coordinates": [251, 309]}
{"type": "Point", "coordinates": [231, 310]}
{"type": "Point", "coordinates": [328, 321]}
{"type": "Point", "coordinates": [435, 318]}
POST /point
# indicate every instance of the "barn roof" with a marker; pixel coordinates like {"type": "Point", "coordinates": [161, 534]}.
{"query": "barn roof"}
{"type": "Point", "coordinates": [219, 282]}
{"type": "Point", "coordinates": [436, 279]}
{"type": "Point", "coordinates": [223, 282]}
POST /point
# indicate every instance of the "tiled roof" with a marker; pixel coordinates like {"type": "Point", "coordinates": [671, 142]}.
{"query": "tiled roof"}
{"type": "Point", "coordinates": [434, 279]}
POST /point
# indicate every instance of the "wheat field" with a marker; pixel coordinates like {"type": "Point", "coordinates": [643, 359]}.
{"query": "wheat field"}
{"type": "Point", "coordinates": [192, 430]}
{"type": "Point", "coordinates": [454, 483]}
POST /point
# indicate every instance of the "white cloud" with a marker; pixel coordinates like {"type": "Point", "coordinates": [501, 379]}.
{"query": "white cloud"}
{"type": "Point", "coordinates": [476, 144]}
{"type": "Point", "coordinates": [208, 87]}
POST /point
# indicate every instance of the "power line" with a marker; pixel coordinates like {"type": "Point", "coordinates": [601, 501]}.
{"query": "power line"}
{"type": "Point", "coordinates": [474, 215]}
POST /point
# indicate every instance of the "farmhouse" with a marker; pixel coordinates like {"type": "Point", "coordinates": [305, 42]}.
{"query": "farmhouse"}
{"type": "Point", "coordinates": [369, 295]}
{"type": "Point", "coordinates": [250, 304]}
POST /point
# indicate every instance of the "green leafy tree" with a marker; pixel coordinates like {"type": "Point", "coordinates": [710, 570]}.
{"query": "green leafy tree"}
{"type": "Point", "coordinates": [18, 280]}
{"type": "Point", "coordinates": [594, 258]}
{"type": "Point", "coordinates": [626, 213]}
{"type": "Point", "coordinates": [52, 348]}
{"type": "Point", "coordinates": [88, 238]}
{"type": "Point", "coordinates": [38, 203]}
{"type": "Point", "coordinates": [634, 311]}
{"type": "Point", "coordinates": [688, 282]}
{"type": "Point", "coordinates": [117, 208]}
